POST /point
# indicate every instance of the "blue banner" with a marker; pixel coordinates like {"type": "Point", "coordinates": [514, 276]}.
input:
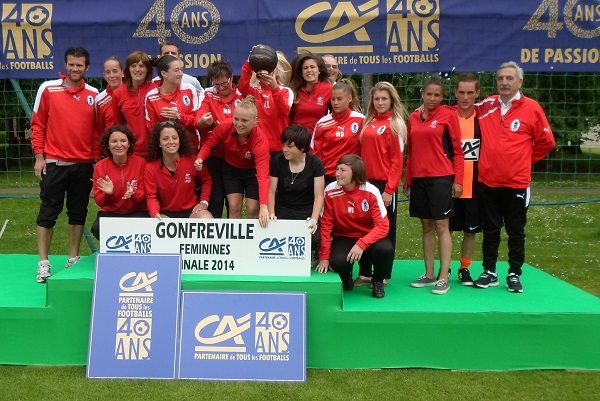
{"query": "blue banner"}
{"type": "Point", "coordinates": [366, 36]}
{"type": "Point", "coordinates": [243, 336]}
{"type": "Point", "coordinates": [134, 322]}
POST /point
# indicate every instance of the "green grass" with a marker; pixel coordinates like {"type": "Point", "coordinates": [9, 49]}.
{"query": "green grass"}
{"type": "Point", "coordinates": [563, 240]}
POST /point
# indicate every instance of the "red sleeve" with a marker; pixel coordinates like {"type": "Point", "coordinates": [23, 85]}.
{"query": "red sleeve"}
{"type": "Point", "coordinates": [326, 222]}
{"type": "Point", "coordinates": [244, 82]}
{"type": "Point", "coordinates": [459, 158]}
{"type": "Point", "coordinates": [395, 173]}
{"type": "Point", "coordinates": [140, 192]}
{"type": "Point", "coordinates": [100, 197]}
{"type": "Point", "coordinates": [39, 122]}
{"type": "Point", "coordinates": [214, 139]}
{"type": "Point", "coordinates": [407, 173]}
{"type": "Point", "coordinates": [316, 143]}
{"type": "Point", "coordinates": [260, 149]}
{"type": "Point", "coordinates": [282, 97]}
{"type": "Point", "coordinates": [543, 139]}
{"type": "Point", "coordinates": [152, 116]}
{"type": "Point", "coordinates": [152, 190]}
{"type": "Point", "coordinates": [95, 143]}
{"type": "Point", "coordinates": [116, 99]}
{"type": "Point", "coordinates": [205, 184]}
{"type": "Point", "coordinates": [381, 224]}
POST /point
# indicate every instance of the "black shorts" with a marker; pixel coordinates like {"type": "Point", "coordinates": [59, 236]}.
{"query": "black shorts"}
{"type": "Point", "coordinates": [76, 182]}
{"type": "Point", "coordinates": [431, 198]}
{"type": "Point", "coordinates": [240, 181]}
{"type": "Point", "coordinates": [184, 214]}
{"type": "Point", "coordinates": [466, 216]}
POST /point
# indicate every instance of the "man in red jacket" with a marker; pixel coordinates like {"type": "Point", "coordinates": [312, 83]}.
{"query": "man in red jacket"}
{"type": "Point", "coordinates": [514, 134]}
{"type": "Point", "coordinates": [65, 142]}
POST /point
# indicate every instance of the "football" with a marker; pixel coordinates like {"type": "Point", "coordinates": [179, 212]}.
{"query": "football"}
{"type": "Point", "coordinates": [263, 59]}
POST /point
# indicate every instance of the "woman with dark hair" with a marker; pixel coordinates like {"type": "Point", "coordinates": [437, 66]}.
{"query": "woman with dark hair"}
{"type": "Point", "coordinates": [297, 181]}
{"type": "Point", "coordinates": [119, 188]}
{"type": "Point", "coordinates": [354, 227]}
{"type": "Point", "coordinates": [337, 134]}
{"type": "Point", "coordinates": [173, 100]}
{"type": "Point", "coordinates": [434, 174]}
{"type": "Point", "coordinates": [128, 99]}
{"type": "Point", "coordinates": [171, 179]}
{"type": "Point", "coordinates": [246, 169]}
{"type": "Point", "coordinates": [112, 71]}
{"type": "Point", "coordinates": [312, 91]}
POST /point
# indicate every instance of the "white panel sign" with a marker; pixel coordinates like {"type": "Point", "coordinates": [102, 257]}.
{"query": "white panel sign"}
{"type": "Point", "coordinates": [215, 246]}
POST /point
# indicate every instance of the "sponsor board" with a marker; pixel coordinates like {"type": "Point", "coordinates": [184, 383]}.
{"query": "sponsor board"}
{"type": "Point", "coordinates": [242, 336]}
{"type": "Point", "coordinates": [215, 246]}
{"type": "Point", "coordinates": [135, 308]}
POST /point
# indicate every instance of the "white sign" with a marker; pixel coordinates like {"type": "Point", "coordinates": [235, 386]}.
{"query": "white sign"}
{"type": "Point", "coordinates": [215, 246]}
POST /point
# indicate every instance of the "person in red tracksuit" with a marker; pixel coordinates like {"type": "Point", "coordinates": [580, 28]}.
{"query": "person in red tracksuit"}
{"type": "Point", "coordinates": [119, 188]}
{"type": "Point", "coordinates": [171, 179]}
{"type": "Point", "coordinates": [354, 227]}
{"type": "Point", "coordinates": [514, 134]}
{"type": "Point", "coordinates": [382, 148]}
{"type": "Point", "coordinates": [128, 100]}
{"type": "Point", "coordinates": [273, 102]}
{"type": "Point", "coordinates": [434, 174]}
{"type": "Point", "coordinates": [173, 100]}
{"type": "Point", "coordinates": [65, 143]}
{"type": "Point", "coordinates": [246, 170]}
{"type": "Point", "coordinates": [312, 91]}
{"type": "Point", "coordinates": [113, 74]}
{"type": "Point", "coordinates": [338, 134]}
{"type": "Point", "coordinates": [217, 106]}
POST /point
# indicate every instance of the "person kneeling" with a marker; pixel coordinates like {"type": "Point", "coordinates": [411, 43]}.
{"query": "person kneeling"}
{"type": "Point", "coordinates": [354, 227]}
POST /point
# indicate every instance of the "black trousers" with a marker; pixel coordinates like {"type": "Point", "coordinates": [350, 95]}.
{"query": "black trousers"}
{"type": "Point", "coordinates": [392, 216]}
{"type": "Point", "coordinates": [217, 193]}
{"type": "Point", "coordinates": [379, 256]}
{"type": "Point", "coordinates": [503, 207]}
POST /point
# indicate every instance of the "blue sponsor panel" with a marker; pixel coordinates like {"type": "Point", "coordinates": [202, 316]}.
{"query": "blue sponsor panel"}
{"type": "Point", "coordinates": [365, 36]}
{"type": "Point", "coordinates": [242, 336]}
{"type": "Point", "coordinates": [134, 321]}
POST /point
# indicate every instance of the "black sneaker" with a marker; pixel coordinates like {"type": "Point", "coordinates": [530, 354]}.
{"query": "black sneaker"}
{"type": "Point", "coordinates": [513, 283]}
{"type": "Point", "coordinates": [378, 291]}
{"type": "Point", "coordinates": [348, 283]}
{"type": "Point", "coordinates": [487, 279]}
{"type": "Point", "coordinates": [464, 276]}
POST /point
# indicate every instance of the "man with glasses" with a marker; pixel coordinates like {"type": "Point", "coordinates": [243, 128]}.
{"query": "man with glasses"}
{"type": "Point", "coordinates": [217, 106]}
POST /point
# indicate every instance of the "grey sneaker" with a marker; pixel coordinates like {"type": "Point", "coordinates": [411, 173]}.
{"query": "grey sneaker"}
{"type": "Point", "coordinates": [423, 281]}
{"type": "Point", "coordinates": [72, 261]}
{"type": "Point", "coordinates": [43, 271]}
{"type": "Point", "coordinates": [441, 287]}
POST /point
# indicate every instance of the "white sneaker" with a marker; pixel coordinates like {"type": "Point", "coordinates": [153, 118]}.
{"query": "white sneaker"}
{"type": "Point", "coordinates": [72, 261]}
{"type": "Point", "coordinates": [43, 271]}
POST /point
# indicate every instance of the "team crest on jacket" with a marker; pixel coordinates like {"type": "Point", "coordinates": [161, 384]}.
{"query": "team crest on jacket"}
{"type": "Point", "coordinates": [354, 128]}
{"type": "Point", "coordinates": [134, 184]}
{"type": "Point", "coordinates": [320, 101]}
{"type": "Point", "coordinates": [188, 178]}
{"type": "Point", "coordinates": [381, 130]}
{"type": "Point", "coordinates": [90, 100]}
{"type": "Point", "coordinates": [433, 124]}
{"type": "Point", "coordinates": [186, 100]}
{"type": "Point", "coordinates": [515, 125]}
{"type": "Point", "coordinates": [364, 205]}
{"type": "Point", "coordinates": [248, 155]}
